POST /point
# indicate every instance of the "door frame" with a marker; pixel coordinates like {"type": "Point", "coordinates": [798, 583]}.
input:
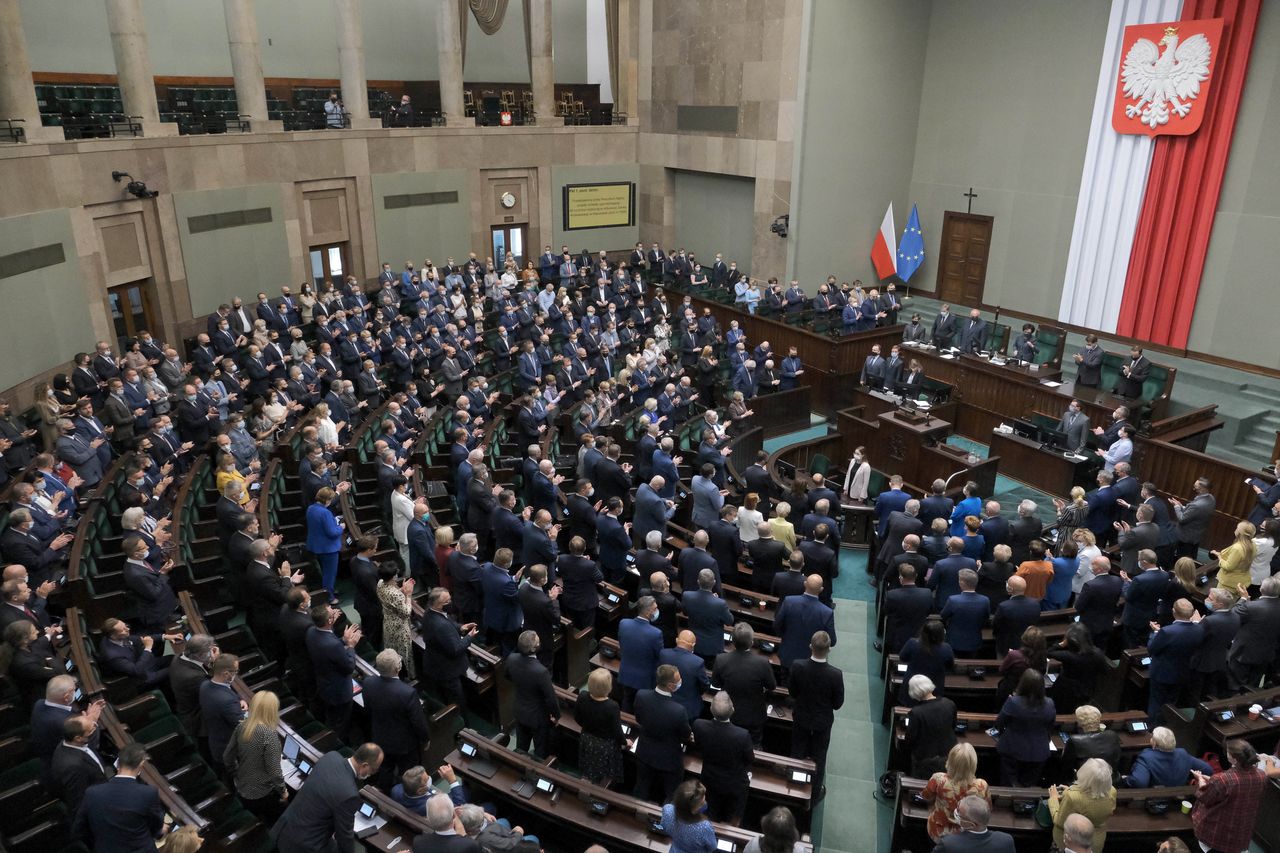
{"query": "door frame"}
{"type": "Point", "coordinates": [148, 309]}
{"type": "Point", "coordinates": [948, 217]}
{"type": "Point", "coordinates": [344, 247]}
{"type": "Point", "coordinates": [508, 227]}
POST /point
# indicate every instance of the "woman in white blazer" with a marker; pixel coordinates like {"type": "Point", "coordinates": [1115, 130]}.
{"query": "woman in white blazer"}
{"type": "Point", "coordinates": [401, 515]}
{"type": "Point", "coordinates": [858, 477]}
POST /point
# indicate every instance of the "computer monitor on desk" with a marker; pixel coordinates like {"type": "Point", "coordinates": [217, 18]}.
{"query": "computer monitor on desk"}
{"type": "Point", "coordinates": [1026, 429]}
{"type": "Point", "coordinates": [1055, 438]}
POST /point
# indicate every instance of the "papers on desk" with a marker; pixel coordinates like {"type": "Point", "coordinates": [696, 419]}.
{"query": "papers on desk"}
{"type": "Point", "coordinates": [948, 356]}
{"type": "Point", "coordinates": [1049, 383]}
{"type": "Point", "coordinates": [366, 826]}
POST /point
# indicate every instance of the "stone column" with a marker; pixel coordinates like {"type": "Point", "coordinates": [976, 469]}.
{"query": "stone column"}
{"type": "Point", "coordinates": [449, 47]}
{"type": "Point", "coordinates": [246, 64]}
{"type": "Point", "coordinates": [542, 69]}
{"type": "Point", "coordinates": [133, 66]}
{"type": "Point", "coordinates": [17, 92]}
{"type": "Point", "coordinates": [625, 92]}
{"type": "Point", "coordinates": [355, 94]}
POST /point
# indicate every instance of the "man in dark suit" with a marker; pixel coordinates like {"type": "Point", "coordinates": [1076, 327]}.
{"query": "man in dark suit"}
{"type": "Point", "coordinates": [1025, 528]}
{"type": "Point", "coordinates": [1097, 600]}
{"type": "Point", "coordinates": [694, 558]}
{"type": "Point", "coordinates": [1171, 648]}
{"type": "Point", "coordinates": [693, 673]}
{"type": "Point", "coordinates": [266, 589]}
{"type": "Point", "coordinates": [748, 678]}
{"type": "Point", "coordinates": [320, 818]}
{"type": "Point", "coordinates": [972, 816]}
{"type": "Point", "coordinates": [817, 692]}
{"type": "Point", "coordinates": [399, 724]}
{"type": "Point", "coordinates": [1143, 535]}
{"type": "Point", "coordinates": [944, 328]}
{"type": "Point", "coordinates": [220, 707]}
{"type": "Point", "coordinates": [936, 505]}
{"type": "Point", "coordinates": [50, 713]}
{"type": "Point", "coordinates": [652, 511]}
{"type": "Point", "coordinates": [898, 526]}
{"type": "Point", "coordinates": [1089, 363]}
{"type": "Point", "coordinates": [790, 582]}
{"type": "Point", "coordinates": [799, 617]}
{"type": "Point", "coordinates": [1133, 373]}
{"type": "Point", "coordinates": [1142, 594]}
{"type": "Point", "coordinates": [892, 500]}
{"type": "Point", "coordinates": [639, 646]}
{"type": "Point", "coordinates": [612, 478]}
{"type": "Point", "coordinates": [727, 756]}
{"type": "Point", "coordinates": [76, 766]}
{"type": "Point", "coordinates": [295, 623]}
{"type": "Point", "coordinates": [664, 729]}
{"type": "Point", "coordinates": [973, 334]}
{"type": "Point", "coordinates": [1208, 668]}
{"type": "Point", "coordinates": [502, 618]}
{"type": "Point", "coordinates": [186, 674]}
{"type": "Point", "coordinates": [446, 643]}
{"type": "Point", "coordinates": [708, 616]}
{"type": "Point", "coordinates": [1254, 649]}
{"type": "Point", "coordinates": [944, 580]}
{"type": "Point", "coordinates": [768, 557]}
{"type": "Point", "coordinates": [821, 559]}
{"type": "Point", "coordinates": [905, 609]}
{"type": "Point", "coordinates": [725, 543]}
{"type": "Point", "coordinates": [614, 539]}
{"type": "Point", "coordinates": [541, 610]}
{"type": "Point", "coordinates": [1267, 495]}
{"type": "Point", "coordinates": [536, 706]}
{"type": "Point", "coordinates": [333, 661]}
{"type": "Point", "coordinates": [121, 653]}
{"type": "Point", "coordinates": [1014, 615]}
{"type": "Point", "coordinates": [124, 814]}
{"type": "Point", "coordinates": [156, 601]}
{"type": "Point", "coordinates": [966, 615]}
{"type": "Point", "coordinates": [994, 530]}
{"type": "Point", "coordinates": [1193, 518]}
{"type": "Point", "coordinates": [364, 577]}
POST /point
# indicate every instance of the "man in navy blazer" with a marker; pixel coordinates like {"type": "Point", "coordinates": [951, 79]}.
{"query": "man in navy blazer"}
{"type": "Point", "coordinates": [639, 647]}
{"type": "Point", "coordinates": [333, 662]}
{"type": "Point", "coordinates": [399, 724]}
{"type": "Point", "coordinates": [121, 653]}
{"type": "Point", "coordinates": [936, 505]}
{"type": "Point", "coordinates": [1014, 615]}
{"type": "Point", "coordinates": [1266, 496]}
{"type": "Point", "coordinates": [708, 614]}
{"type": "Point", "coordinates": [1142, 595]}
{"type": "Point", "coordinates": [613, 538]}
{"type": "Point", "coordinates": [694, 558]}
{"type": "Point", "coordinates": [320, 817]}
{"type": "Point", "coordinates": [1171, 648]}
{"type": "Point", "coordinates": [502, 616]}
{"type": "Point", "coordinates": [220, 707]}
{"type": "Point", "coordinates": [888, 502]}
{"type": "Point", "coordinates": [445, 655]}
{"type": "Point", "coordinates": [944, 579]}
{"type": "Point", "coordinates": [994, 530]}
{"type": "Point", "coordinates": [1102, 508]}
{"type": "Point", "coordinates": [799, 617]}
{"type": "Point", "coordinates": [1097, 600]}
{"type": "Point", "coordinates": [50, 713]}
{"type": "Point", "coordinates": [693, 673]}
{"type": "Point", "coordinates": [664, 466]}
{"type": "Point", "coordinates": [123, 814]}
{"type": "Point", "coordinates": [664, 729]}
{"type": "Point", "coordinates": [966, 615]}
{"type": "Point", "coordinates": [652, 511]}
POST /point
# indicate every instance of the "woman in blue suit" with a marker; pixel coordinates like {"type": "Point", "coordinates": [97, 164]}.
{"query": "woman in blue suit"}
{"type": "Point", "coordinates": [970, 505]}
{"type": "Point", "coordinates": [324, 540]}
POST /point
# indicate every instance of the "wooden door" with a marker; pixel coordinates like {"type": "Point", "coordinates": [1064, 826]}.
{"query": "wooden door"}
{"type": "Point", "coordinates": [962, 271]}
{"type": "Point", "coordinates": [130, 306]}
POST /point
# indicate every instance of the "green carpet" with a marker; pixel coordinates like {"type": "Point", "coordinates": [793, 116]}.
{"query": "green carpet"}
{"type": "Point", "coordinates": [851, 819]}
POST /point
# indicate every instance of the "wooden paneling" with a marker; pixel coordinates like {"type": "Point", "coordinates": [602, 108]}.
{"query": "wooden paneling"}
{"type": "Point", "coordinates": [1174, 470]}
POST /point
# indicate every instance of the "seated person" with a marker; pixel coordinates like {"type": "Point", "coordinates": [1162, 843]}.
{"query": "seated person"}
{"type": "Point", "coordinates": [124, 654]}
{"type": "Point", "coordinates": [1165, 764]}
{"type": "Point", "coordinates": [415, 788]}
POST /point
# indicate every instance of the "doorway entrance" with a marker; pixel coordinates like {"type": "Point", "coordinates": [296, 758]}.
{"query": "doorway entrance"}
{"type": "Point", "coordinates": [130, 307]}
{"type": "Point", "coordinates": [508, 240]}
{"type": "Point", "coordinates": [328, 264]}
{"type": "Point", "coordinates": [966, 243]}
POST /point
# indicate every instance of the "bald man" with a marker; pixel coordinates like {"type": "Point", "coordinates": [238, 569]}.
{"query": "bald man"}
{"type": "Point", "coordinates": [799, 617]}
{"type": "Point", "coordinates": [693, 671]}
{"type": "Point", "coordinates": [1014, 615]}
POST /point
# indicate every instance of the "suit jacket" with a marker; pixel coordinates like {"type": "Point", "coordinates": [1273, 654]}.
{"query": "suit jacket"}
{"type": "Point", "coordinates": [1142, 597]}
{"type": "Point", "coordinates": [709, 616]}
{"type": "Point", "coordinates": [944, 580]}
{"type": "Point", "coordinates": [333, 664]}
{"type": "Point", "coordinates": [640, 645]}
{"type": "Point", "coordinates": [320, 816]}
{"type": "Point", "coordinates": [122, 816]}
{"type": "Point", "coordinates": [1012, 617]}
{"type": "Point", "coordinates": [468, 592]}
{"type": "Point", "coordinates": [46, 731]}
{"type": "Point", "coordinates": [817, 692]}
{"type": "Point", "coordinates": [1076, 426]}
{"type": "Point", "coordinates": [944, 329]}
{"type": "Point", "coordinates": [973, 335]}
{"type": "Point", "coordinates": [72, 773]}
{"type": "Point", "coordinates": [1171, 650]}
{"type": "Point", "coordinates": [748, 679]}
{"type": "Point", "coordinates": [727, 754]}
{"type": "Point", "coordinates": [220, 711]}
{"type": "Point", "coordinates": [1089, 370]}
{"type": "Point", "coordinates": [1096, 603]}
{"type": "Point", "coordinates": [1131, 385]}
{"type": "Point", "coordinates": [1219, 630]}
{"type": "Point", "coordinates": [130, 660]}
{"type": "Point", "coordinates": [612, 482]}
{"type": "Point", "coordinates": [446, 648]}
{"type": "Point", "coordinates": [798, 618]}
{"type": "Point", "coordinates": [185, 678]}
{"type": "Point", "coordinates": [707, 502]}
{"type": "Point", "coordinates": [1259, 632]}
{"type": "Point", "coordinates": [541, 615]}
{"type": "Point", "coordinates": [725, 547]}
{"type": "Point", "coordinates": [693, 679]}
{"type": "Point", "coordinates": [664, 728]}
{"type": "Point", "coordinates": [768, 558]}
{"type": "Point", "coordinates": [396, 715]}
{"type": "Point", "coordinates": [579, 576]}
{"type": "Point", "coordinates": [151, 590]}
{"type": "Point", "coordinates": [613, 543]}
{"type": "Point", "coordinates": [1022, 530]}
{"type": "Point", "coordinates": [898, 525]}
{"type": "Point", "coordinates": [501, 609]}
{"type": "Point", "coordinates": [990, 841]}
{"type": "Point", "coordinates": [966, 615]}
{"type": "Point", "coordinates": [651, 513]}
{"type": "Point", "coordinates": [1194, 519]}
{"type": "Point", "coordinates": [1135, 539]}
{"type": "Point", "coordinates": [935, 506]}
{"type": "Point", "coordinates": [535, 700]}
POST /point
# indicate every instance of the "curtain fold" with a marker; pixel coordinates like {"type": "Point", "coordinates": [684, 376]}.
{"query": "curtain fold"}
{"type": "Point", "coordinates": [611, 29]}
{"type": "Point", "coordinates": [463, 9]}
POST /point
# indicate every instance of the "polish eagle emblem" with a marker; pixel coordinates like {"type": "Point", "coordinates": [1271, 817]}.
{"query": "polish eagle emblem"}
{"type": "Point", "coordinates": [1161, 82]}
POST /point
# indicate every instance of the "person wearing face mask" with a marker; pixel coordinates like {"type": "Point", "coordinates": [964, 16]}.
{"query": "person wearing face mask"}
{"type": "Point", "coordinates": [858, 477]}
{"type": "Point", "coordinates": [639, 648]}
{"type": "Point", "coordinates": [421, 544]}
{"type": "Point", "coordinates": [944, 328]}
{"type": "Point", "coordinates": [319, 818]}
{"type": "Point", "coordinates": [915, 331]}
{"type": "Point", "coordinates": [664, 727]}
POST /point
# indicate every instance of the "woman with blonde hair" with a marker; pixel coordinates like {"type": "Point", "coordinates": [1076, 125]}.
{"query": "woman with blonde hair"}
{"type": "Point", "coordinates": [1092, 795]}
{"type": "Point", "coordinates": [49, 410]}
{"type": "Point", "coordinates": [1234, 560]}
{"type": "Point", "coordinates": [602, 740]}
{"type": "Point", "coordinates": [184, 839]}
{"type": "Point", "coordinates": [738, 407]}
{"type": "Point", "coordinates": [328, 430]}
{"type": "Point", "coordinates": [228, 473]}
{"type": "Point", "coordinates": [783, 530]}
{"type": "Point", "coordinates": [1086, 549]}
{"type": "Point", "coordinates": [260, 336]}
{"type": "Point", "coordinates": [444, 548]}
{"type": "Point", "coordinates": [945, 790]}
{"type": "Point", "coordinates": [252, 757]}
{"type": "Point", "coordinates": [749, 518]}
{"type": "Point", "coordinates": [1071, 514]}
{"type": "Point", "coordinates": [1186, 578]}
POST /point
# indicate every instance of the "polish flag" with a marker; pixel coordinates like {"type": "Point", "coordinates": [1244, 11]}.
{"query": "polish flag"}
{"type": "Point", "coordinates": [884, 252]}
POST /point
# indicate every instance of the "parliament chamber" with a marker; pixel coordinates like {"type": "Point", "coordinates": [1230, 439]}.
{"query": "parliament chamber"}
{"type": "Point", "coordinates": [478, 426]}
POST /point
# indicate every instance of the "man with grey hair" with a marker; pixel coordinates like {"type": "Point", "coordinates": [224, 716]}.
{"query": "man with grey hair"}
{"type": "Point", "coordinates": [49, 715]}
{"type": "Point", "coordinates": [652, 510]}
{"type": "Point", "coordinates": [398, 723]}
{"type": "Point", "coordinates": [768, 557]}
{"type": "Point", "coordinates": [651, 558]}
{"type": "Point", "coordinates": [536, 706]}
{"type": "Point", "coordinates": [727, 756]}
{"type": "Point", "coordinates": [186, 674]}
{"type": "Point", "coordinates": [972, 815]}
{"type": "Point", "coordinates": [1096, 602]}
{"type": "Point", "coordinates": [1254, 648]}
{"type": "Point", "coordinates": [659, 587]}
{"type": "Point", "coordinates": [966, 615]}
{"type": "Point", "coordinates": [994, 529]}
{"type": "Point", "coordinates": [1077, 834]}
{"type": "Point", "coordinates": [1209, 663]}
{"type": "Point", "coordinates": [447, 832]}
{"type": "Point", "coordinates": [708, 616]}
{"type": "Point", "coordinates": [1164, 764]}
{"type": "Point", "coordinates": [748, 677]}
{"type": "Point", "coordinates": [1024, 528]}
{"type": "Point", "coordinates": [465, 573]}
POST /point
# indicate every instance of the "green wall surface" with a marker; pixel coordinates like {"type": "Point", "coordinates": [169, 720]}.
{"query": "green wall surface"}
{"type": "Point", "coordinates": [45, 319]}
{"type": "Point", "coordinates": [861, 98]}
{"type": "Point", "coordinates": [240, 260]}
{"type": "Point", "coordinates": [714, 214]}
{"type": "Point", "coordinates": [434, 231]}
{"type": "Point", "coordinates": [595, 239]}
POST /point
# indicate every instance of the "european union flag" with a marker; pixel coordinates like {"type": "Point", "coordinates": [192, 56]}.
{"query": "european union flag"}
{"type": "Point", "coordinates": [911, 247]}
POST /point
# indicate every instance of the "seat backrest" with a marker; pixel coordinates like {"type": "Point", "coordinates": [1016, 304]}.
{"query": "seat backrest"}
{"type": "Point", "coordinates": [1111, 362]}
{"type": "Point", "coordinates": [1159, 376]}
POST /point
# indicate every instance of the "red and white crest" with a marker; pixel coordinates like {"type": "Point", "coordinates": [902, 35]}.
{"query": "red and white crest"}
{"type": "Point", "coordinates": [1165, 78]}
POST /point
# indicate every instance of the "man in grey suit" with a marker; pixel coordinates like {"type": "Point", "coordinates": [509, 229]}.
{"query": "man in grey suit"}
{"type": "Point", "coordinates": [707, 498]}
{"type": "Point", "coordinates": [80, 454]}
{"type": "Point", "coordinates": [1142, 535]}
{"type": "Point", "coordinates": [1193, 518]}
{"type": "Point", "coordinates": [652, 510]}
{"type": "Point", "coordinates": [708, 616]}
{"type": "Point", "coordinates": [972, 815]}
{"type": "Point", "coordinates": [1075, 424]}
{"type": "Point", "coordinates": [321, 818]}
{"type": "Point", "coordinates": [1089, 363]}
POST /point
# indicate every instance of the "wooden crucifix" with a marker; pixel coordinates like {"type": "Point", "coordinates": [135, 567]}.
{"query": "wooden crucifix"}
{"type": "Point", "coordinates": [971, 195]}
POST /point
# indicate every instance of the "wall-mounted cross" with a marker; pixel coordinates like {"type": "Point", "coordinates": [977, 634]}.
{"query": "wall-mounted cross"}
{"type": "Point", "coordinates": [971, 195]}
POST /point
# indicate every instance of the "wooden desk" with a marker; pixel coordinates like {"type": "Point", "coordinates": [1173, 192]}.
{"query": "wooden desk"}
{"type": "Point", "coordinates": [1047, 470]}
